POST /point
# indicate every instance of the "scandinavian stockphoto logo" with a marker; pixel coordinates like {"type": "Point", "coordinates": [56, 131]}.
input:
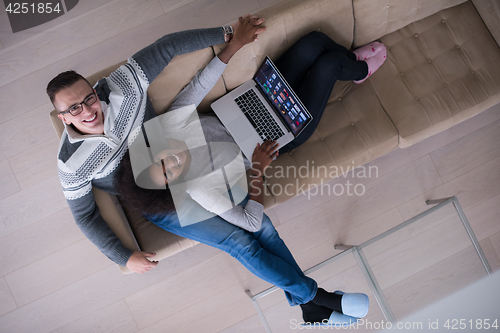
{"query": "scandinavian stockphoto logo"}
{"type": "Point", "coordinates": [28, 14]}
{"type": "Point", "coordinates": [205, 179]}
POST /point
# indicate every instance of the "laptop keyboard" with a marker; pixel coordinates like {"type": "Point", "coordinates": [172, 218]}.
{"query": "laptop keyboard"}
{"type": "Point", "coordinates": [259, 116]}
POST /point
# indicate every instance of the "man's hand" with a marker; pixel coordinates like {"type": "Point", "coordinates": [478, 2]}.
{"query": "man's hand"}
{"type": "Point", "coordinates": [245, 31]}
{"type": "Point", "coordinates": [139, 262]}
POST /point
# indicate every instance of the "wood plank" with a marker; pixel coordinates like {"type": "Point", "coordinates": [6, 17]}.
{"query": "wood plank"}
{"type": "Point", "coordinates": [272, 215]}
{"type": "Point", "coordinates": [25, 131]}
{"type": "Point", "coordinates": [5, 28]}
{"type": "Point", "coordinates": [251, 324]}
{"type": "Point", "coordinates": [443, 214]}
{"type": "Point", "coordinates": [345, 212]}
{"type": "Point", "coordinates": [69, 38]}
{"type": "Point", "coordinates": [418, 253]}
{"type": "Point", "coordinates": [38, 240]}
{"type": "Point", "coordinates": [95, 292]}
{"type": "Point", "coordinates": [283, 318]}
{"type": "Point", "coordinates": [317, 197]}
{"type": "Point", "coordinates": [483, 218]}
{"type": "Point", "coordinates": [319, 253]}
{"type": "Point", "coordinates": [9, 39]}
{"type": "Point", "coordinates": [7, 302]}
{"type": "Point", "coordinates": [387, 243]}
{"type": "Point", "coordinates": [171, 5]}
{"type": "Point", "coordinates": [471, 189]}
{"type": "Point", "coordinates": [468, 153]}
{"type": "Point", "coordinates": [436, 282]}
{"type": "Point", "coordinates": [36, 164]}
{"type": "Point", "coordinates": [8, 182]}
{"type": "Point", "coordinates": [56, 271]}
{"type": "Point", "coordinates": [490, 254]}
{"type": "Point", "coordinates": [161, 300]}
{"type": "Point", "coordinates": [371, 228]}
{"type": "Point", "coordinates": [495, 242]}
{"type": "Point", "coordinates": [31, 205]}
{"type": "Point", "coordinates": [209, 315]}
{"type": "Point", "coordinates": [209, 13]}
{"type": "Point", "coordinates": [114, 318]}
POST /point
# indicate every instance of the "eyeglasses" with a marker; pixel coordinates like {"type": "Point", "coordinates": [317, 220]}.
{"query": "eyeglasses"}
{"type": "Point", "coordinates": [76, 109]}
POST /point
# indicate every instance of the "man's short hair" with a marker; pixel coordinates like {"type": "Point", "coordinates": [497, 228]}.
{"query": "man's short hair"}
{"type": "Point", "coordinates": [62, 81]}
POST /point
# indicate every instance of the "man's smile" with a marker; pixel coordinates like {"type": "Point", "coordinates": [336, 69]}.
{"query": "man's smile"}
{"type": "Point", "coordinates": [91, 119]}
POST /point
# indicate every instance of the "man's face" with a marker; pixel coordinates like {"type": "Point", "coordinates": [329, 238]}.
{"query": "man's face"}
{"type": "Point", "coordinates": [90, 120]}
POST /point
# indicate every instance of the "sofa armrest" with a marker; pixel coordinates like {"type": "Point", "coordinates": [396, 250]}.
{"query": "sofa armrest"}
{"type": "Point", "coordinates": [57, 124]}
{"type": "Point", "coordinates": [112, 212]}
{"type": "Point", "coordinates": [489, 10]}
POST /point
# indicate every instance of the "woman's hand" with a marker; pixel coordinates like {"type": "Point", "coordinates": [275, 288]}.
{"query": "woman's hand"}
{"type": "Point", "coordinates": [246, 29]}
{"type": "Point", "coordinates": [263, 155]}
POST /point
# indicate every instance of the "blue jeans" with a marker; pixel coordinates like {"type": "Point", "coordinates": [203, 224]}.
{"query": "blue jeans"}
{"type": "Point", "coordinates": [263, 252]}
{"type": "Point", "coordinates": [311, 67]}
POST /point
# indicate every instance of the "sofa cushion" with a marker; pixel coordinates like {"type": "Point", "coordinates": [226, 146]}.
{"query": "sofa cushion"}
{"type": "Point", "coordinates": [152, 238]}
{"type": "Point", "coordinates": [286, 22]}
{"type": "Point", "coordinates": [440, 71]}
{"type": "Point", "coordinates": [376, 18]}
{"type": "Point", "coordinates": [353, 131]}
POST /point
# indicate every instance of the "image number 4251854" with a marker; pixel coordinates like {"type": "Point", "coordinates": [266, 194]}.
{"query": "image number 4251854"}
{"type": "Point", "coordinates": [28, 14]}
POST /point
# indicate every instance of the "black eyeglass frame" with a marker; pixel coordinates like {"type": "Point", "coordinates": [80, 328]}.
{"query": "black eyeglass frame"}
{"type": "Point", "coordinates": [80, 105]}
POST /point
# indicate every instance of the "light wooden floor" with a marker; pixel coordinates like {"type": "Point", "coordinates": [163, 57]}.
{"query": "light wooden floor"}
{"type": "Point", "coordinates": [52, 279]}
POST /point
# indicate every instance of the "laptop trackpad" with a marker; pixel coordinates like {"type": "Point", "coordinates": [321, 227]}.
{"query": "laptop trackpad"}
{"type": "Point", "coordinates": [241, 129]}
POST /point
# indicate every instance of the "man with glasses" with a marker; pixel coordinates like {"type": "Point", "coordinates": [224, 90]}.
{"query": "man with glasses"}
{"type": "Point", "coordinates": [99, 119]}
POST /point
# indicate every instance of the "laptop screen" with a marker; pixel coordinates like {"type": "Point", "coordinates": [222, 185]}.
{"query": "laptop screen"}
{"type": "Point", "coordinates": [277, 90]}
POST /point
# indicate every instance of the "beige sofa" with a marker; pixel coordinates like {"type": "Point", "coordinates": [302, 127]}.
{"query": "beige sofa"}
{"type": "Point", "coordinates": [443, 67]}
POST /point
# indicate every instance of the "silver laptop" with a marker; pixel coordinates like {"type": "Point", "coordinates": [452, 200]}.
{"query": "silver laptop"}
{"type": "Point", "coordinates": [263, 108]}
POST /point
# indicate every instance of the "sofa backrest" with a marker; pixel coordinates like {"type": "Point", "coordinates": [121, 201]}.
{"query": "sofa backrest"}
{"type": "Point", "coordinates": [376, 18]}
{"type": "Point", "coordinates": [286, 22]}
{"type": "Point", "coordinates": [177, 75]}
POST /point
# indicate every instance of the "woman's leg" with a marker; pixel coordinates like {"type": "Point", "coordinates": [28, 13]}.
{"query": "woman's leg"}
{"type": "Point", "coordinates": [296, 62]}
{"type": "Point", "coordinates": [263, 253]}
{"type": "Point", "coordinates": [316, 88]}
{"type": "Point", "coordinates": [270, 240]}
{"type": "Point", "coordinates": [312, 66]}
